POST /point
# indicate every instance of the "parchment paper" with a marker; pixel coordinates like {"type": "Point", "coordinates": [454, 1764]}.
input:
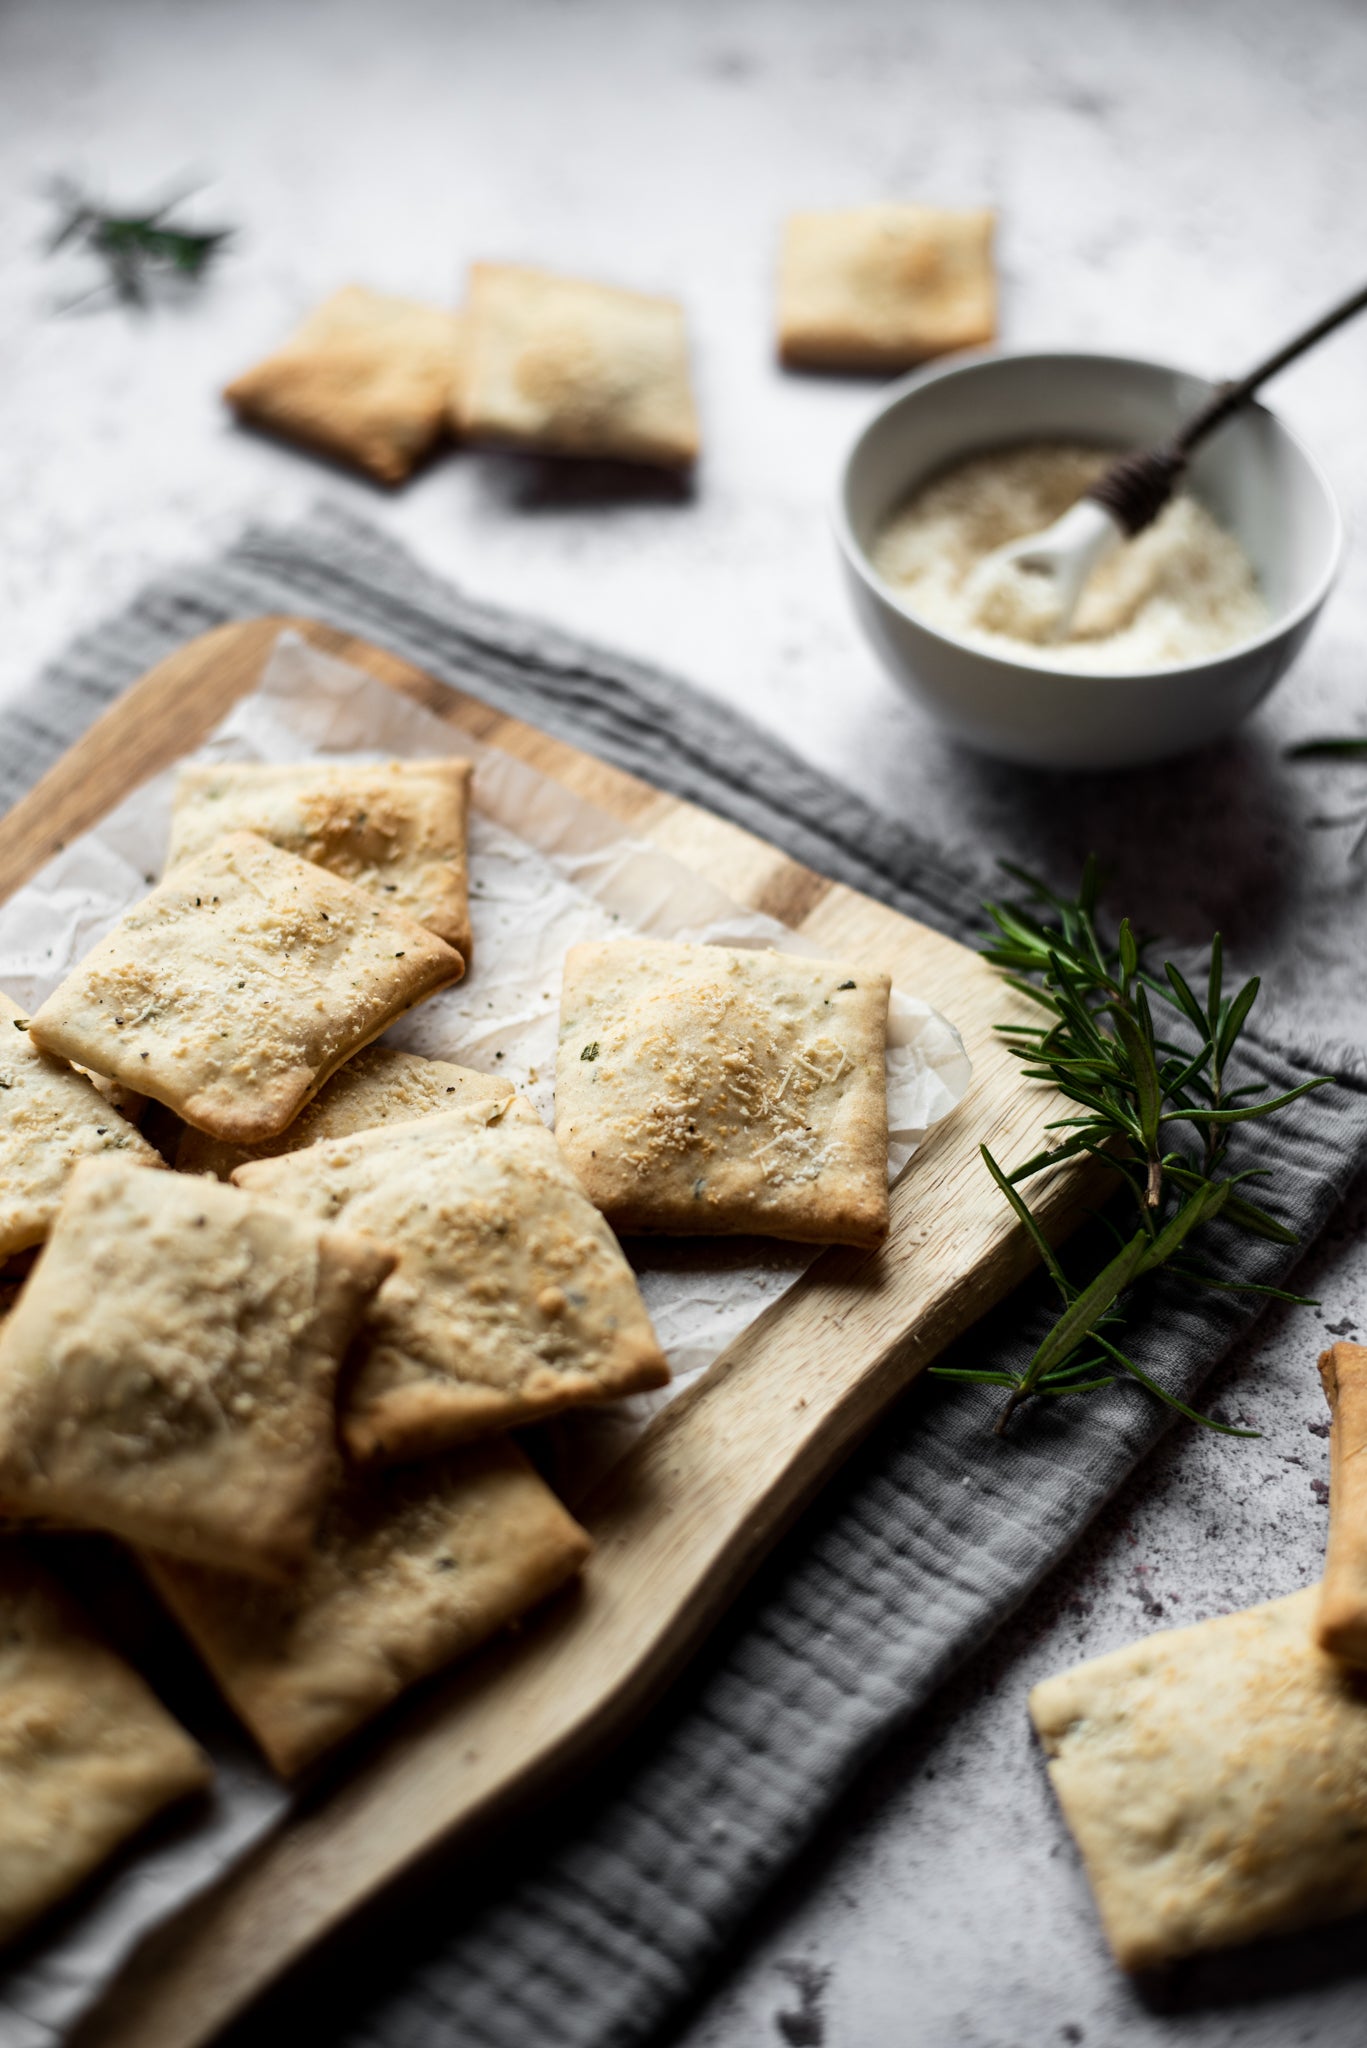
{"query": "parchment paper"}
{"type": "Point", "coordinates": [546, 870]}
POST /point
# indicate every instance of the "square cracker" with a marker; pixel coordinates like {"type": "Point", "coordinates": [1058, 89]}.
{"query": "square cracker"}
{"type": "Point", "coordinates": [411, 1569]}
{"type": "Point", "coordinates": [241, 983]}
{"type": "Point", "coordinates": [397, 829]}
{"type": "Point", "coordinates": [87, 1755]}
{"type": "Point", "coordinates": [50, 1118]}
{"type": "Point", "coordinates": [368, 379]}
{"type": "Point", "coordinates": [379, 1086]}
{"type": "Point", "coordinates": [511, 1298]}
{"type": "Point", "coordinates": [700, 1089]}
{"type": "Point", "coordinates": [1341, 1625]}
{"type": "Point", "coordinates": [573, 368]}
{"type": "Point", "coordinates": [1215, 1779]}
{"type": "Point", "coordinates": [881, 287]}
{"type": "Point", "coordinates": [170, 1370]}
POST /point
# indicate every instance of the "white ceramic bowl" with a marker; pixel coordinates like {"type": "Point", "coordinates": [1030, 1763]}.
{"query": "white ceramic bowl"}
{"type": "Point", "coordinates": [1254, 475]}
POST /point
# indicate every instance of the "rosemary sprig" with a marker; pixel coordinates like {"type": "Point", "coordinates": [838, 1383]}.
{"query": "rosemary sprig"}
{"type": "Point", "coordinates": [1344, 747]}
{"type": "Point", "coordinates": [1157, 1113]}
{"type": "Point", "coordinates": [134, 247]}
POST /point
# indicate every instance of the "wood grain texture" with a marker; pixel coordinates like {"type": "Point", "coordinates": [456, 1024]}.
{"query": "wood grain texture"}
{"type": "Point", "coordinates": [686, 1517]}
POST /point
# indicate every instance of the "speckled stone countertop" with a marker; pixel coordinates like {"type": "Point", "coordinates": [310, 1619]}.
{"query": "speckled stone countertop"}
{"type": "Point", "coordinates": [1177, 181]}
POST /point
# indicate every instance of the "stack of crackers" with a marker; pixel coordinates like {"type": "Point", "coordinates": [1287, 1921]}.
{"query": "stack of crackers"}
{"type": "Point", "coordinates": [280, 1352]}
{"type": "Point", "coordinates": [565, 366]}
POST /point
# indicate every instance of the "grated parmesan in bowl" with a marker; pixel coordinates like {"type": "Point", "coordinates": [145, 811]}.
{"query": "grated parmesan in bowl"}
{"type": "Point", "coordinates": [1180, 591]}
{"type": "Point", "coordinates": [1188, 627]}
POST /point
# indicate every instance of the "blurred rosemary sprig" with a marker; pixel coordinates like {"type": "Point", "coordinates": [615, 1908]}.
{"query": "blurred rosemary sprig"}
{"type": "Point", "coordinates": [133, 247]}
{"type": "Point", "coordinates": [1155, 1112]}
{"type": "Point", "coordinates": [1345, 747]}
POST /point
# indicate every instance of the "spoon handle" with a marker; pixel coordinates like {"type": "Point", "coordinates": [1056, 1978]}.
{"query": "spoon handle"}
{"type": "Point", "coordinates": [1135, 489]}
{"type": "Point", "coordinates": [1230, 397]}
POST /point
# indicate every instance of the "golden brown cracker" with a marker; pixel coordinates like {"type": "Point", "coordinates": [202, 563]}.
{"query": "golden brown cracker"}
{"type": "Point", "coordinates": [239, 985]}
{"type": "Point", "coordinates": [511, 1299]}
{"type": "Point", "coordinates": [411, 1569]}
{"type": "Point", "coordinates": [703, 1089]}
{"type": "Point", "coordinates": [574, 368]}
{"type": "Point", "coordinates": [169, 1372]}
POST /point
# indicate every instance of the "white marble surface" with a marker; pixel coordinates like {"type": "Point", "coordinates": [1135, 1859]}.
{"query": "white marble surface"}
{"type": "Point", "coordinates": [1180, 181]}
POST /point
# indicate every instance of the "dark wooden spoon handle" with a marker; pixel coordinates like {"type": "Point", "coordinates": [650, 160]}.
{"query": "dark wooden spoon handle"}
{"type": "Point", "coordinates": [1135, 489]}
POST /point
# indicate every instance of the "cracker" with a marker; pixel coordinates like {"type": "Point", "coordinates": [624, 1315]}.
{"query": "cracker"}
{"type": "Point", "coordinates": [882, 287]}
{"type": "Point", "coordinates": [397, 829]}
{"type": "Point", "coordinates": [169, 1372]}
{"type": "Point", "coordinates": [699, 1089]}
{"type": "Point", "coordinates": [87, 1755]}
{"type": "Point", "coordinates": [127, 1101]}
{"type": "Point", "coordinates": [368, 379]}
{"type": "Point", "coordinates": [572, 368]}
{"type": "Point", "coordinates": [50, 1118]}
{"type": "Point", "coordinates": [241, 983]}
{"type": "Point", "coordinates": [1341, 1625]}
{"type": "Point", "coordinates": [511, 1298]}
{"type": "Point", "coordinates": [1215, 1779]}
{"type": "Point", "coordinates": [411, 1569]}
{"type": "Point", "coordinates": [380, 1086]}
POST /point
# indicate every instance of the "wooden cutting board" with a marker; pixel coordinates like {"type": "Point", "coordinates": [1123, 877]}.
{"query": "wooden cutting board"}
{"type": "Point", "coordinates": [685, 1518]}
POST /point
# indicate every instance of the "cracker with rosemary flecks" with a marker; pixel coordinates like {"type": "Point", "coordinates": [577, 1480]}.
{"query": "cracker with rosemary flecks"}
{"type": "Point", "coordinates": [411, 1569]}
{"type": "Point", "coordinates": [703, 1089]}
{"type": "Point", "coordinates": [50, 1119]}
{"type": "Point", "coordinates": [169, 1372]}
{"type": "Point", "coordinates": [380, 1085]}
{"type": "Point", "coordinates": [1215, 1780]}
{"type": "Point", "coordinates": [397, 828]}
{"type": "Point", "coordinates": [511, 1298]}
{"type": "Point", "coordinates": [239, 985]}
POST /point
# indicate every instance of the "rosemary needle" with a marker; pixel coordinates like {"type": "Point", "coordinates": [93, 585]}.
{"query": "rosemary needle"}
{"type": "Point", "coordinates": [1155, 1112]}
{"type": "Point", "coordinates": [133, 247]}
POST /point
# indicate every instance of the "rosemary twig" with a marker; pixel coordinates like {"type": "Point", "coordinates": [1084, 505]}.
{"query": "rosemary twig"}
{"type": "Point", "coordinates": [133, 247]}
{"type": "Point", "coordinates": [1157, 1113]}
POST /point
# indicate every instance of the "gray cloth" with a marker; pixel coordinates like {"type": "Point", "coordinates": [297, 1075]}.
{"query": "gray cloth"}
{"type": "Point", "coordinates": [590, 1930]}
